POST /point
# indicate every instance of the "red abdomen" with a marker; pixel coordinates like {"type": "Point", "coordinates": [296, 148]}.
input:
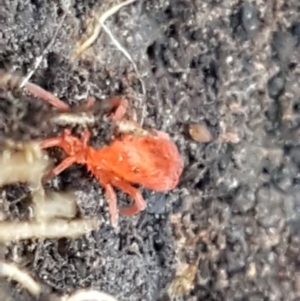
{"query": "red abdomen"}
{"type": "Point", "coordinates": [153, 162]}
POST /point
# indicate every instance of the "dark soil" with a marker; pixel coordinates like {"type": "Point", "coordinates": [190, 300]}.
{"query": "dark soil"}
{"type": "Point", "coordinates": [230, 65]}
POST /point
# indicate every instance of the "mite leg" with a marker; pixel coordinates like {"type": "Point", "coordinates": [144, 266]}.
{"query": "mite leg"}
{"type": "Point", "coordinates": [66, 163]}
{"type": "Point", "coordinates": [104, 180]}
{"type": "Point", "coordinates": [112, 204]}
{"type": "Point", "coordinates": [46, 96]}
{"type": "Point", "coordinates": [160, 134]}
{"type": "Point", "coordinates": [120, 105]}
{"type": "Point", "coordinates": [85, 138]}
{"type": "Point", "coordinates": [66, 141]}
{"type": "Point", "coordinates": [51, 142]}
{"type": "Point", "coordinates": [139, 202]}
{"type": "Point", "coordinates": [89, 102]}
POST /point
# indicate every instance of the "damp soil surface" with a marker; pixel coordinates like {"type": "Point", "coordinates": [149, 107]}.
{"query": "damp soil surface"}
{"type": "Point", "coordinates": [222, 79]}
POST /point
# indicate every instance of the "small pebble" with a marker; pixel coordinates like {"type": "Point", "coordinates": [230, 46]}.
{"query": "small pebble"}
{"type": "Point", "coordinates": [251, 270]}
{"type": "Point", "coordinates": [249, 19]}
{"type": "Point", "coordinates": [276, 85]}
{"type": "Point", "coordinates": [200, 133]}
{"type": "Point", "coordinates": [156, 203]}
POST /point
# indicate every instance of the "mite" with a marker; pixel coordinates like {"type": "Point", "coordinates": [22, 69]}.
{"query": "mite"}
{"type": "Point", "coordinates": [136, 156]}
{"type": "Point", "coordinates": [151, 161]}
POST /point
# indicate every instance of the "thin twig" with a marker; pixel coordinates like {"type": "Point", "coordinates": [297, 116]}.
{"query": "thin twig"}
{"type": "Point", "coordinates": [13, 272]}
{"type": "Point", "coordinates": [40, 58]}
{"type": "Point", "coordinates": [96, 32]}
{"type": "Point", "coordinates": [102, 20]}
{"type": "Point", "coordinates": [128, 56]}
{"type": "Point", "coordinates": [57, 228]}
{"type": "Point", "coordinates": [88, 295]}
{"type": "Point", "coordinates": [97, 29]}
{"type": "Point", "coordinates": [23, 162]}
{"type": "Point", "coordinates": [49, 205]}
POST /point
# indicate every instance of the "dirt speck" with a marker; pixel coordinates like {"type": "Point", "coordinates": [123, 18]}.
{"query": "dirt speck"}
{"type": "Point", "coordinates": [200, 133]}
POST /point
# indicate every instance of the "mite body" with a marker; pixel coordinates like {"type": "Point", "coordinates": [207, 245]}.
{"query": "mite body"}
{"type": "Point", "coordinates": [136, 156]}
{"type": "Point", "coordinates": [151, 161]}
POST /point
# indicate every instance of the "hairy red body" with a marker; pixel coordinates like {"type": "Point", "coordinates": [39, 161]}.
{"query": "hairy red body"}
{"type": "Point", "coordinates": [150, 159]}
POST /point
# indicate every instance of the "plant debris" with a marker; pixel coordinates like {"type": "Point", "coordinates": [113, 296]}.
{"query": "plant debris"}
{"type": "Point", "coordinates": [55, 228]}
{"type": "Point", "coordinates": [83, 295]}
{"type": "Point", "coordinates": [200, 133]}
{"type": "Point", "coordinates": [13, 272]}
{"type": "Point", "coordinates": [23, 162]}
{"type": "Point", "coordinates": [99, 23]}
{"type": "Point", "coordinates": [50, 205]}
